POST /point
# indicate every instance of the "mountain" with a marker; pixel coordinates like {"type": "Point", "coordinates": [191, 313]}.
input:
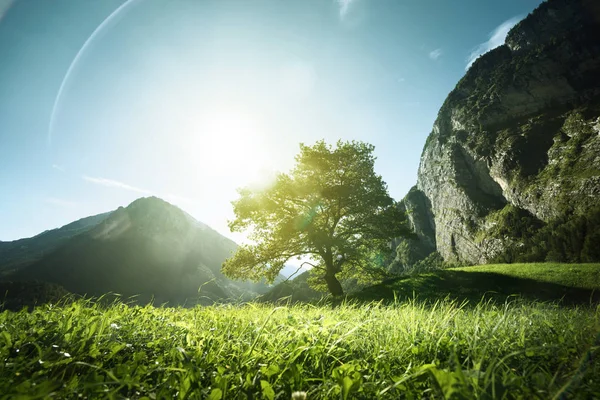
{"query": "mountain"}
{"type": "Point", "coordinates": [18, 295]}
{"type": "Point", "coordinates": [150, 249]}
{"type": "Point", "coordinates": [19, 253]}
{"type": "Point", "coordinates": [294, 290]}
{"type": "Point", "coordinates": [511, 169]}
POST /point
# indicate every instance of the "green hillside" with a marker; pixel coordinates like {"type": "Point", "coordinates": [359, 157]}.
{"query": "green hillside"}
{"type": "Point", "coordinates": [567, 283]}
{"type": "Point", "coordinates": [584, 276]}
{"type": "Point", "coordinates": [22, 252]}
{"type": "Point", "coordinates": [149, 249]}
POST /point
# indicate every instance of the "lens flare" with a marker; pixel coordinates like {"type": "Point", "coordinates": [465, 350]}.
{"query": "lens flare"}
{"type": "Point", "coordinates": [59, 95]}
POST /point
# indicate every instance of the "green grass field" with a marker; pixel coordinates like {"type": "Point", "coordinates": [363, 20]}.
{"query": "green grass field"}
{"type": "Point", "coordinates": [585, 276]}
{"type": "Point", "coordinates": [484, 349]}
{"type": "Point", "coordinates": [564, 283]}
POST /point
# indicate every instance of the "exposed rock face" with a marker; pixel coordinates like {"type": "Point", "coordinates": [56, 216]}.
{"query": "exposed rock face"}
{"type": "Point", "coordinates": [520, 130]}
{"type": "Point", "coordinates": [410, 251]}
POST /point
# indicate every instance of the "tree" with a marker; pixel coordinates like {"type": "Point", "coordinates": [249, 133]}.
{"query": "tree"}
{"type": "Point", "coordinates": [331, 209]}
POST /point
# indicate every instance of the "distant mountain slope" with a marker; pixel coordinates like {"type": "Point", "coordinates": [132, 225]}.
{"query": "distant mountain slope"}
{"type": "Point", "coordinates": [21, 252]}
{"type": "Point", "coordinates": [17, 295]}
{"type": "Point", "coordinates": [151, 249]}
{"type": "Point", "coordinates": [293, 290]}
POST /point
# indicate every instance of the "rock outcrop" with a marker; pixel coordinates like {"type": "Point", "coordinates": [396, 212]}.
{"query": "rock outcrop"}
{"type": "Point", "coordinates": [519, 137]}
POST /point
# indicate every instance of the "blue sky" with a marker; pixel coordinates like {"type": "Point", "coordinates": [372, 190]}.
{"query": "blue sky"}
{"type": "Point", "coordinates": [188, 100]}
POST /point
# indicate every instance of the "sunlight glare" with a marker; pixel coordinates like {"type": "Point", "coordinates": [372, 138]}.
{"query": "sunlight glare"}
{"type": "Point", "coordinates": [229, 144]}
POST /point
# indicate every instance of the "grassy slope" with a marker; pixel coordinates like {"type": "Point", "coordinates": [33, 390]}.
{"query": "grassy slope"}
{"type": "Point", "coordinates": [407, 350]}
{"type": "Point", "coordinates": [569, 283]}
{"type": "Point", "coordinates": [412, 349]}
{"type": "Point", "coordinates": [585, 276]}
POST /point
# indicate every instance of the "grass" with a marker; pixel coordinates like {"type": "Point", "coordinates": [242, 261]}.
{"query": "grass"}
{"type": "Point", "coordinates": [584, 276]}
{"type": "Point", "coordinates": [564, 283]}
{"type": "Point", "coordinates": [484, 349]}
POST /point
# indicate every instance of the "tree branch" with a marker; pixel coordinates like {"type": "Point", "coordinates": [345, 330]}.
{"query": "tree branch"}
{"type": "Point", "coordinates": [312, 265]}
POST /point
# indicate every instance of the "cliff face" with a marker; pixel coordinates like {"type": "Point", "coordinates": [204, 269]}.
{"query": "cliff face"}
{"type": "Point", "coordinates": [518, 140]}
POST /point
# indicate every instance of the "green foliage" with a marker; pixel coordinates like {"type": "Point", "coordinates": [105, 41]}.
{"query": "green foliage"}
{"type": "Point", "coordinates": [403, 350]}
{"type": "Point", "coordinates": [575, 125]}
{"type": "Point", "coordinates": [568, 144]}
{"type": "Point", "coordinates": [405, 265]}
{"type": "Point", "coordinates": [570, 238]}
{"type": "Point", "coordinates": [432, 262]}
{"type": "Point", "coordinates": [331, 208]}
{"type": "Point", "coordinates": [16, 295]}
{"type": "Point", "coordinates": [510, 222]}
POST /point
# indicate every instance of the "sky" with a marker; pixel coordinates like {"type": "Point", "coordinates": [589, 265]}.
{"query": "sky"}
{"type": "Point", "coordinates": [103, 102]}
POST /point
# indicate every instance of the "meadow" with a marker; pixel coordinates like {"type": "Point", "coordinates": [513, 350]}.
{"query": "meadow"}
{"type": "Point", "coordinates": [448, 348]}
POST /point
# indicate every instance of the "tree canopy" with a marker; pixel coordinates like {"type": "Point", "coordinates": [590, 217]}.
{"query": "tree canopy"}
{"type": "Point", "coordinates": [331, 209]}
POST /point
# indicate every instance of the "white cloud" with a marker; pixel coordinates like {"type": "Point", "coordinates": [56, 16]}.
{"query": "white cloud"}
{"type": "Point", "coordinates": [496, 38]}
{"type": "Point", "coordinates": [435, 54]}
{"type": "Point", "coordinates": [344, 7]}
{"type": "Point", "coordinates": [60, 202]}
{"type": "Point", "coordinates": [58, 167]}
{"type": "Point", "coordinates": [114, 184]}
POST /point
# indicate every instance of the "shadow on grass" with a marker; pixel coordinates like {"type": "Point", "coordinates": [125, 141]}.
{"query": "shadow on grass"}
{"type": "Point", "coordinates": [472, 286]}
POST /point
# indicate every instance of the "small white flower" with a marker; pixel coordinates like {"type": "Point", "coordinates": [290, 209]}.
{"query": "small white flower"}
{"type": "Point", "coordinates": [115, 326]}
{"type": "Point", "coordinates": [66, 354]}
{"type": "Point", "coordinates": [299, 395]}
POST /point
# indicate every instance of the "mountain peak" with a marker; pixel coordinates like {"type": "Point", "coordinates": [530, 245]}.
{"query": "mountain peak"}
{"type": "Point", "coordinates": [149, 201]}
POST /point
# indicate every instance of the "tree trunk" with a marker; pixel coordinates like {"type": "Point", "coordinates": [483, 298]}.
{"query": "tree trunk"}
{"type": "Point", "coordinates": [334, 286]}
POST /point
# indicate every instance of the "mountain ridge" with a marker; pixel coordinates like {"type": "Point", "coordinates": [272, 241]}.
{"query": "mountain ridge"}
{"type": "Point", "coordinates": [149, 249]}
{"type": "Point", "coordinates": [511, 168]}
{"type": "Point", "coordinates": [17, 253]}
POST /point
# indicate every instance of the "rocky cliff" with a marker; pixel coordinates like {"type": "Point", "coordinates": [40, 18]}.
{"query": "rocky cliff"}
{"type": "Point", "coordinates": [516, 145]}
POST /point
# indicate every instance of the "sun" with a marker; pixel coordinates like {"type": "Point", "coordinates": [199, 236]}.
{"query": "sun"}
{"type": "Point", "coordinates": [229, 144]}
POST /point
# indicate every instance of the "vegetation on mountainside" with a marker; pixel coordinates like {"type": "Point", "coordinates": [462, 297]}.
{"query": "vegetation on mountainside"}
{"type": "Point", "coordinates": [18, 295]}
{"type": "Point", "coordinates": [332, 208]}
{"type": "Point", "coordinates": [19, 253]}
{"type": "Point", "coordinates": [150, 249]}
{"type": "Point", "coordinates": [571, 238]}
{"type": "Point", "coordinates": [405, 350]}
{"type": "Point", "coordinates": [512, 166]}
{"type": "Point", "coordinates": [568, 164]}
{"type": "Point", "coordinates": [407, 263]}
